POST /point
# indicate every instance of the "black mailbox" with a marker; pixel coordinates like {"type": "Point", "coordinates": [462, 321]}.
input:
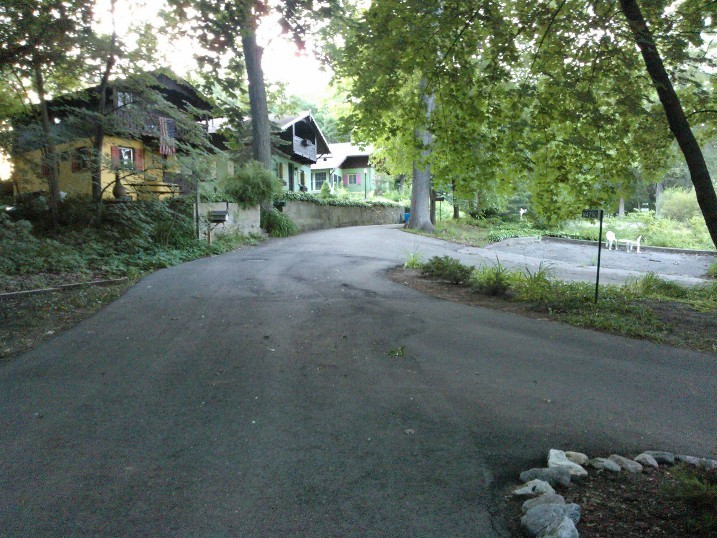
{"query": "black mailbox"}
{"type": "Point", "coordinates": [218, 217]}
{"type": "Point", "coordinates": [279, 203]}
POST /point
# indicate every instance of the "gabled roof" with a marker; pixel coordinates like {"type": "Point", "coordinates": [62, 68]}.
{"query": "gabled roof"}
{"type": "Point", "coordinates": [322, 146]}
{"type": "Point", "coordinates": [339, 153]}
{"type": "Point", "coordinates": [282, 124]}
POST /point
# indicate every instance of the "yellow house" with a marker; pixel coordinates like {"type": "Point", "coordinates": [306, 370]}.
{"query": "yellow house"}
{"type": "Point", "coordinates": [139, 167]}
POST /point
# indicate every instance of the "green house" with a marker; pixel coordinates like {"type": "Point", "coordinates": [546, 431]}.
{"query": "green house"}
{"type": "Point", "coordinates": [348, 165]}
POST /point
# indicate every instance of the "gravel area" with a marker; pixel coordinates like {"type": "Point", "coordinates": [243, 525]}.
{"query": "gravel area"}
{"type": "Point", "coordinates": [577, 260]}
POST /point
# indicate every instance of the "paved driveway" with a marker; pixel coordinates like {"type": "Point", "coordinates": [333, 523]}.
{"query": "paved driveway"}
{"type": "Point", "coordinates": [291, 389]}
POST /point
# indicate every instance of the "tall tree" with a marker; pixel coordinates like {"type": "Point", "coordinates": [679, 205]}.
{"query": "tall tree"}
{"type": "Point", "coordinates": [39, 42]}
{"type": "Point", "coordinates": [676, 117]}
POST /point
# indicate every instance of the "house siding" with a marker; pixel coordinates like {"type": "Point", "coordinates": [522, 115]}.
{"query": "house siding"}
{"type": "Point", "coordinates": [145, 184]}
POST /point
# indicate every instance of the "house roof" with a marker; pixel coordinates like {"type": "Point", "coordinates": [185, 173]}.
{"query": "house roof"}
{"type": "Point", "coordinates": [282, 124]}
{"type": "Point", "coordinates": [339, 153]}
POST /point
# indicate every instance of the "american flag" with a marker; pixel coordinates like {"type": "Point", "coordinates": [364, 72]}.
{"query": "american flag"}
{"type": "Point", "coordinates": [166, 142]}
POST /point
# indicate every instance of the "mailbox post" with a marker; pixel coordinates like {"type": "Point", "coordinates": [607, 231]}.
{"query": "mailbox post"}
{"type": "Point", "coordinates": [215, 218]}
{"type": "Point", "coordinates": [596, 214]}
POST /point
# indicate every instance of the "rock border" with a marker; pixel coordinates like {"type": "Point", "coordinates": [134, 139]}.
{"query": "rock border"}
{"type": "Point", "coordinates": [545, 513]}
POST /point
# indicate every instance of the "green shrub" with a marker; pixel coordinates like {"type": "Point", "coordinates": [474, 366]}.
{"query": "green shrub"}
{"type": "Point", "coordinates": [697, 489]}
{"type": "Point", "coordinates": [712, 270]}
{"type": "Point", "coordinates": [277, 224]}
{"type": "Point", "coordinates": [325, 190]}
{"type": "Point", "coordinates": [493, 280]}
{"type": "Point", "coordinates": [534, 286]}
{"type": "Point", "coordinates": [252, 185]}
{"type": "Point", "coordinates": [447, 268]}
{"type": "Point", "coordinates": [652, 285]}
{"type": "Point", "coordinates": [678, 204]}
{"type": "Point", "coordinates": [339, 201]}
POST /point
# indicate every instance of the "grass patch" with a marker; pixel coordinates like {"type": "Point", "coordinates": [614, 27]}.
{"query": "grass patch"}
{"type": "Point", "coordinates": [697, 489]}
{"type": "Point", "coordinates": [648, 308]}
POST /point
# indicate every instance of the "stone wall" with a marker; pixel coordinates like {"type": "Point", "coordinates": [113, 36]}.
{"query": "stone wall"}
{"type": "Point", "coordinates": [245, 221]}
{"type": "Point", "coordinates": [308, 216]}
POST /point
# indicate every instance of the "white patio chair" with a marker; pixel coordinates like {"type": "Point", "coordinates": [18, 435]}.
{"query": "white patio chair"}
{"type": "Point", "coordinates": [610, 240]}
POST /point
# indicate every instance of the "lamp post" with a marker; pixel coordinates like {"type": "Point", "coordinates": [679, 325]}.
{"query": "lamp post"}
{"type": "Point", "coordinates": [365, 183]}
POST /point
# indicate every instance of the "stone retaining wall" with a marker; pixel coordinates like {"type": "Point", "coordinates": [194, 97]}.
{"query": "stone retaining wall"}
{"type": "Point", "coordinates": [308, 216]}
{"type": "Point", "coordinates": [245, 221]}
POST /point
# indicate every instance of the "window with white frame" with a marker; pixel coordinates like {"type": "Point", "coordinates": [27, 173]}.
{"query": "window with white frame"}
{"type": "Point", "coordinates": [319, 179]}
{"type": "Point", "coordinates": [352, 179]}
{"type": "Point", "coordinates": [126, 157]}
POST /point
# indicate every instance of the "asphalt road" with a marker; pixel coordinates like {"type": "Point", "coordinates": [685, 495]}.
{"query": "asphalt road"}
{"type": "Point", "coordinates": [292, 390]}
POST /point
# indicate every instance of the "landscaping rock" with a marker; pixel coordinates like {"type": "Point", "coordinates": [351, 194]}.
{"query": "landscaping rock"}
{"type": "Point", "coordinates": [689, 460]}
{"type": "Point", "coordinates": [557, 458]}
{"type": "Point", "coordinates": [605, 464]}
{"type": "Point", "coordinates": [534, 488]}
{"type": "Point", "coordinates": [548, 498]}
{"type": "Point", "coordinates": [647, 461]}
{"type": "Point", "coordinates": [563, 529]}
{"type": "Point", "coordinates": [555, 476]}
{"type": "Point", "coordinates": [540, 518]}
{"type": "Point", "coordinates": [708, 464]}
{"type": "Point", "coordinates": [625, 463]}
{"type": "Point", "coordinates": [577, 457]}
{"type": "Point", "coordinates": [667, 458]}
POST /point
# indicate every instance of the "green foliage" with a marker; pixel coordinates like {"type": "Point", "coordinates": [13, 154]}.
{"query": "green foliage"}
{"type": "Point", "coordinates": [493, 280]}
{"type": "Point", "coordinates": [678, 204]}
{"type": "Point", "coordinates": [128, 239]}
{"type": "Point", "coordinates": [277, 224]}
{"type": "Point", "coordinates": [697, 489]}
{"type": "Point", "coordinates": [252, 185]}
{"type": "Point", "coordinates": [325, 190]}
{"type": "Point", "coordinates": [447, 268]}
{"type": "Point", "coordinates": [414, 260]}
{"type": "Point", "coordinates": [534, 286]}
{"type": "Point", "coordinates": [338, 201]}
{"type": "Point", "coordinates": [712, 270]}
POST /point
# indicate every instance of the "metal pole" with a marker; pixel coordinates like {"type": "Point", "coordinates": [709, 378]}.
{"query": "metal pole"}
{"type": "Point", "coordinates": [597, 279]}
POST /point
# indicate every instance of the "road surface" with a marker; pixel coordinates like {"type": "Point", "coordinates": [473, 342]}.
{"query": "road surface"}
{"type": "Point", "coordinates": [293, 390]}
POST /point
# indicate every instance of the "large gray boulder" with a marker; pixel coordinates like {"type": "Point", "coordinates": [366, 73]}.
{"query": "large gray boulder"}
{"type": "Point", "coordinates": [647, 461]}
{"type": "Point", "coordinates": [577, 457]}
{"type": "Point", "coordinates": [548, 498]}
{"type": "Point", "coordinates": [563, 529]}
{"type": "Point", "coordinates": [629, 465]}
{"type": "Point", "coordinates": [666, 458]}
{"type": "Point", "coordinates": [533, 489]}
{"type": "Point", "coordinates": [557, 458]}
{"type": "Point", "coordinates": [555, 476]}
{"type": "Point", "coordinates": [604, 464]}
{"type": "Point", "coordinates": [540, 518]}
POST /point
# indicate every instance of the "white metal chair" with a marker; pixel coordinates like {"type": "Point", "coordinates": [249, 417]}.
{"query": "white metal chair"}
{"type": "Point", "coordinates": [610, 240]}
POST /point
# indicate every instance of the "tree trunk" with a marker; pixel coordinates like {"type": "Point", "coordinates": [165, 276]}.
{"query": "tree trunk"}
{"type": "Point", "coordinates": [621, 209]}
{"type": "Point", "coordinates": [260, 129]}
{"type": "Point", "coordinates": [420, 218]}
{"type": "Point", "coordinates": [99, 140]}
{"type": "Point", "coordinates": [48, 148]}
{"type": "Point", "coordinates": [699, 174]}
{"type": "Point", "coordinates": [257, 99]}
{"type": "Point", "coordinates": [433, 207]}
{"type": "Point", "coordinates": [456, 209]}
{"type": "Point", "coordinates": [401, 183]}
